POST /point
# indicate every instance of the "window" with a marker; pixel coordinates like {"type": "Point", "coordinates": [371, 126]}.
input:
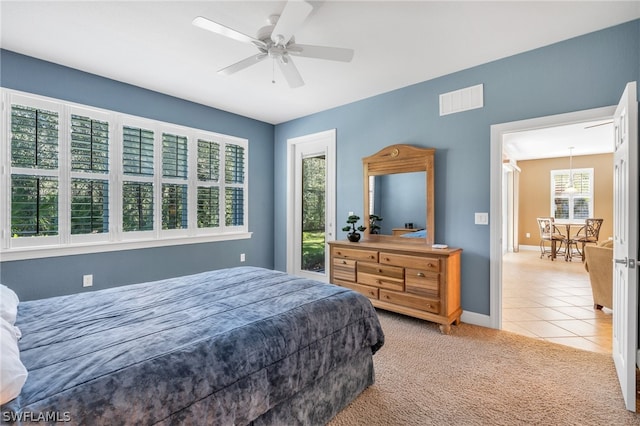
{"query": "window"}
{"type": "Point", "coordinates": [34, 206]}
{"type": "Point", "coordinates": [208, 184]}
{"type": "Point", "coordinates": [89, 206]}
{"type": "Point", "coordinates": [34, 170]}
{"type": "Point", "coordinates": [137, 188]}
{"type": "Point", "coordinates": [174, 188]}
{"type": "Point", "coordinates": [569, 207]}
{"type": "Point", "coordinates": [137, 206]}
{"type": "Point", "coordinates": [81, 177]}
{"type": "Point", "coordinates": [234, 178]}
{"type": "Point", "coordinates": [89, 186]}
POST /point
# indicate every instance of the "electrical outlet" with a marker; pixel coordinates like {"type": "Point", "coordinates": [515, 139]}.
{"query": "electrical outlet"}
{"type": "Point", "coordinates": [87, 280]}
{"type": "Point", "coordinates": [350, 213]}
{"type": "Point", "coordinates": [242, 257]}
{"type": "Point", "coordinates": [528, 234]}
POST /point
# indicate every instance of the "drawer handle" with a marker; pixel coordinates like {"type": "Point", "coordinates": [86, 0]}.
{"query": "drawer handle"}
{"type": "Point", "coordinates": [431, 265]}
{"type": "Point", "coordinates": [420, 274]}
{"type": "Point", "coordinates": [379, 270]}
{"type": "Point", "coordinates": [387, 259]}
{"type": "Point", "coordinates": [429, 306]}
{"type": "Point", "coordinates": [339, 253]}
{"type": "Point", "coordinates": [371, 256]}
{"type": "Point", "coordinates": [344, 262]}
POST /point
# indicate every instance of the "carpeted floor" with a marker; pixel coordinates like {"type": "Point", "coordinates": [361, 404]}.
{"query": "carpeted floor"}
{"type": "Point", "coordinates": [482, 376]}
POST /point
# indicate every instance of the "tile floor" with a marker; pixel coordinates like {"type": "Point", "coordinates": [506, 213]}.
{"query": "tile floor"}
{"type": "Point", "coordinates": [552, 301]}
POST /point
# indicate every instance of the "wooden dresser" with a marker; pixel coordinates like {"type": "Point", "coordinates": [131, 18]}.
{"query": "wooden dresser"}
{"type": "Point", "coordinates": [404, 277]}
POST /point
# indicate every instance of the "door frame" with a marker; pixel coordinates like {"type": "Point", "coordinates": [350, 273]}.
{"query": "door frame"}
{"type": "Point", "coordinates": [496, 183]}
{"type": "Point", "coordinates": [328, 139]}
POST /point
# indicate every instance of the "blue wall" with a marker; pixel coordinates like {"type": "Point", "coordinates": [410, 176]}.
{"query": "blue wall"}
{"type": "Point", "coordinates": [39, 278]}
{"type": "Point", "coordinates": [582, 73]}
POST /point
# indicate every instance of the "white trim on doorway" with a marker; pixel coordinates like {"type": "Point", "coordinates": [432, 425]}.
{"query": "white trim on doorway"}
{"type": "Point", "coordinates": [496, 184]}
{"type": "Point", "coordinates": [297, 148]}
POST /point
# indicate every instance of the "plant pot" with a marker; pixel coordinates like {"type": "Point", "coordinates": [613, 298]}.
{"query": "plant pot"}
{"type": "Point", "coordinates": [354, 237]}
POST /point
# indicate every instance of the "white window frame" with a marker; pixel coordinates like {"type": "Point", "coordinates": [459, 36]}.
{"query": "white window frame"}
{"type": "Point", "coordinates": [571, 197]}
{"type": "Point", "coordinates": [115, 239]}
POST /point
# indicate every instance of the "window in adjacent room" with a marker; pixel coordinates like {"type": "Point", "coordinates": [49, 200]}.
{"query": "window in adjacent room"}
{"type": "Point", "coordinates": [577, 206]}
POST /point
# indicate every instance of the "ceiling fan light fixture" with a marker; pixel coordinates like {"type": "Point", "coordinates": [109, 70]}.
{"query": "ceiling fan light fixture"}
{"type": "Point", "coordinates": [277, 41]}
{"type": "Point", "coordinates": [570, 189]}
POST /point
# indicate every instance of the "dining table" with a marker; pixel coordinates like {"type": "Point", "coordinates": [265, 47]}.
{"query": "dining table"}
{"type": "Point", "coordinates": [568, 225]}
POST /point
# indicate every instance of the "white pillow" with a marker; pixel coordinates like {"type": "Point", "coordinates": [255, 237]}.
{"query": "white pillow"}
{"type": "Point", "coordinates": [8, 304]}
{"type": "Point", "coordinates": [13, 373]}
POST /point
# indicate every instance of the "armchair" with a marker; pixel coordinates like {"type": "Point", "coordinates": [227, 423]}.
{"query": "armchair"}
{"type": "Point", "coordinates": [599, 264]}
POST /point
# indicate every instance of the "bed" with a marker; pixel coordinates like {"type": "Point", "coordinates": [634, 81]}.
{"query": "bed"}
{"type": "Point", "coordinates": [234, 346]}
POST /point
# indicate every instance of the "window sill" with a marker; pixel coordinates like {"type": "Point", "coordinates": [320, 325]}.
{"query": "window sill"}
{"type": "Point", "coordinates": [25, 253]}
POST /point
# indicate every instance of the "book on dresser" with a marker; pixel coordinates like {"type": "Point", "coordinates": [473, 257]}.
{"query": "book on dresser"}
{"type": "Point", "coordinates": [413, 279]}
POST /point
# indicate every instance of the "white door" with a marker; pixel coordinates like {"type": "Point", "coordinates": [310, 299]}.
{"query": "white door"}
{"type": "Point", "coordinates": [625, 251]}
{"type": "Point", "coordinates": [311, 204]}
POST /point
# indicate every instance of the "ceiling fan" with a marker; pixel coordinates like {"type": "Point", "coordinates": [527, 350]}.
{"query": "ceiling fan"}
{"type": "Point", "coordinates": [276, 41]}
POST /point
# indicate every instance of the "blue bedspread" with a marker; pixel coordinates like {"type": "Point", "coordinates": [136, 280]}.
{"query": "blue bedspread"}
{"type": "Point", "coordinates": [233, 343]}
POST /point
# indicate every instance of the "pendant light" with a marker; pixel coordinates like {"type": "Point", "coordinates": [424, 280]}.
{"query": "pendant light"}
{"type": "Point", "coordinates": [570, 188]}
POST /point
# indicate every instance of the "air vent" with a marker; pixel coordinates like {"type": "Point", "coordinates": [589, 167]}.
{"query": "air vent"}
{"type": "Point", "coordinates": [462, 100]}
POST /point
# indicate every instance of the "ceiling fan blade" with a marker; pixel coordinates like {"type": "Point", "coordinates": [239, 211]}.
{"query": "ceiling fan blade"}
{"type": "Point", "coordinates": [293, 16]}
{"type": "Point", "coordinates": [290, 72]}
{"type": "Point", "coordinates": [217, 28]}
{"type": "Point", "coordinates": [321, 52]}
{"type": "Point", "coordinates": [245, 63]}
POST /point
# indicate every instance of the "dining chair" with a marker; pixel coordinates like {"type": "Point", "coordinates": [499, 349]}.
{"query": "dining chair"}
{"type": "Point", "coordinates": [551, 234]}
{"type": "Point", "coordinates": [588, 234]}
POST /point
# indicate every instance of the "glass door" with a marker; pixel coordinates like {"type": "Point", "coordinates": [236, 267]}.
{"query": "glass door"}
{"type": "Point", "coordinates": [313, 211]}
{"type": "Point", "coordinates": [311, 204]}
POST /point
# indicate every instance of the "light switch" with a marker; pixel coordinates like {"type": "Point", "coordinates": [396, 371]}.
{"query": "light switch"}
{"type": "Point", "coordinates": [482, 218]}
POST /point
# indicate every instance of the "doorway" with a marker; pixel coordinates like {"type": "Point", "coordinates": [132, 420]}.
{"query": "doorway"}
{"type": "Point", "coordinates": [499, 229]}
{"type": "Point", "coordinates": [310, 204]}
{"type": "Point", "coordinates": [544, 299]}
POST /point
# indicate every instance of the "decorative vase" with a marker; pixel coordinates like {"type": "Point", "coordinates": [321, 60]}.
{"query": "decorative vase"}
{"type": "Point", "coordinates": [354, 237]}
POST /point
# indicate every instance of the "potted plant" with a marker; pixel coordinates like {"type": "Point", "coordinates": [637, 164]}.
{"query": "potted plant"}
{"type": "Point", "coordinates": [353, 235]}
{"type": "Point", "coordinates": [373, 226]}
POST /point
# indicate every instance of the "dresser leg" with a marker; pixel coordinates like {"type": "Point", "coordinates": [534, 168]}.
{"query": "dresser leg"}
{"type": "Point", "coordinates": [445, 328]}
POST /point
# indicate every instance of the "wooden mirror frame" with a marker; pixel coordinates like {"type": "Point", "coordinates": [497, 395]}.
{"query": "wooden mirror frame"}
{"type": "Point", "coordinates": [402, 158]}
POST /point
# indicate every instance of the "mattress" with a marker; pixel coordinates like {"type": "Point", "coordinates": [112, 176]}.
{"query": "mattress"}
{"type": "Point", "coordinates": [225, 346]}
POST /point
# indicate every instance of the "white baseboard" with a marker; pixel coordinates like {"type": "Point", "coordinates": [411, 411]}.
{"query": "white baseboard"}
{"type": "Point", "coordinates": [476, 319]}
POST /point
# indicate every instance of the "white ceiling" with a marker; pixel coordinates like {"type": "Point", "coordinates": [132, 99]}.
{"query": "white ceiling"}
{"type": "Point", "coordinates": [586, 138]}
{"type": "Point", "coordinates": [153, 44]}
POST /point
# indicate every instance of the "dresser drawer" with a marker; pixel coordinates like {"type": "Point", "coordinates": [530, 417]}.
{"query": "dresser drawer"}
{"type": "Point", "coordinates": [431, 264]}
{"type": "Point", "coordinates": [344, 269]}
{"type": "Point", "coordinates": [370, 292]}
{"type": "Point", "coordinates": [382, 270]}
{"type": "Point", "coordinates": [411, 301]}
{"type": "Point", "coordinates": [381, 281]}
{"type": "Point", "coordinates": [422, 283]}
{"type": "Point", "coordinates": [355, 254]}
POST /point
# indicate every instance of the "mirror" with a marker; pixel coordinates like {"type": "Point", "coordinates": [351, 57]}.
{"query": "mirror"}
{"type": "Point", "coordinates": [400, 199]}
{"type": "Point", "coordinates": [399, 187]}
